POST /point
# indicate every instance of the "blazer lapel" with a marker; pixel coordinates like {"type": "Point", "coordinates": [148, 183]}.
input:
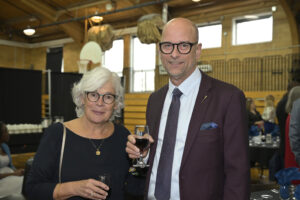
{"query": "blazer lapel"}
{"type": "Point", "coordinates": [159, 100]}
{"type": "Point", "coordinates": [198, 115]}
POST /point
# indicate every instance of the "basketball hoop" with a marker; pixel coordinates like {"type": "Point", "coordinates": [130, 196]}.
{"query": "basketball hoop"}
{"type": "Point", "coordinates": [83, 65]}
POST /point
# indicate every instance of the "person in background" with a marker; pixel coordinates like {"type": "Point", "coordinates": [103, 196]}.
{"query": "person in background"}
{"type": "Point", "coordinates": [255, 120]}
{"type": "Point", "coordinates": [93, 146]}
{"type": "Point", "coordinates": [269, 114]}
{"type": "Point", "coordinates": [11, 179]}
{"type": "Point", "coordinates": [281, 116]}
{"type": "Point", "coordinates": [210, 158]}
{"type": "Point", "coordinates": [289, 157]}
{"type": "Point", "coordinates": [295, 130]}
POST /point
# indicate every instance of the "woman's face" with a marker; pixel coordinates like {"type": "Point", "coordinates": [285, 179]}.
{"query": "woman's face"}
{"type": "Point", "coordinates": [5, 135]}
{"type": "Point", "coordinates": [100, 112]}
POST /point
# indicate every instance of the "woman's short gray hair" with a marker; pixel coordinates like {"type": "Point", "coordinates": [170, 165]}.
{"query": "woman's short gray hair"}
{"type": "Point", "coordinates": [93, 80]}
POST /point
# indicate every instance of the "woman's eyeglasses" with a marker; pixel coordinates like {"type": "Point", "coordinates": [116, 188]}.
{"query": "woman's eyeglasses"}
{"type": "Point", "coordinates": [106, 98]}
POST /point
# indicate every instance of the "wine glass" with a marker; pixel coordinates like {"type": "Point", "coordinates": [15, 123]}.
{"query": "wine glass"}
{"type": "Point", "coordinates": [105, 178]}
{"type": "Point", "coordinates": [142, 143]}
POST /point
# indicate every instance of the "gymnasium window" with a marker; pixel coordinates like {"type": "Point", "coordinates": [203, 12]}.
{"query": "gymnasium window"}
{"type": "Point", "coordinates": [252, 29]}
{"type": "Point", "coordinates": [113, 58]}
{"type": "Point", "coordinates": [143, 66]}
{"type": "Point", "coordinates": [210, 35]}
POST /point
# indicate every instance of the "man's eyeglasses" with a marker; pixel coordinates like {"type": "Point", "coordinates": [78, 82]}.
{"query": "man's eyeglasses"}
{"type": "Point", "coordinates": [182, 47]}
{"type": "Point", "coordinates": [106, 98]}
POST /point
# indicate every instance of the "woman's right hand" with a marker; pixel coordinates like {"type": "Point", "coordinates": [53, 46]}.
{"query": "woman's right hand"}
{"type": "Point", "coordinates": [89, 188]}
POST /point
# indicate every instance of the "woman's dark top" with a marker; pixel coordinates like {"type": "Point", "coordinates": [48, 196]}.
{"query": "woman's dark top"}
{"type": "Point", "coordinates": [79, 162]}
{"type": "Point", "coordinates": [252, 118]}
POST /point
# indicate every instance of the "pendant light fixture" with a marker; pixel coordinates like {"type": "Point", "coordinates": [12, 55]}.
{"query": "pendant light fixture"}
{"type": "Point", "coordinates": [29, 31]}
{"type": "Point", "coordinates": [96, 18]}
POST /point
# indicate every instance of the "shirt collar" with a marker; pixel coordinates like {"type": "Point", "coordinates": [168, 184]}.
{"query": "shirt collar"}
{"type": "Point", "coordinates": [188, 84]}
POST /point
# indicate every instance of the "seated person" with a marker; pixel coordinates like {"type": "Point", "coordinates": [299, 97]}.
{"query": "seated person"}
{"type": "Point", "coordinates": [269, 116]}
{"type": "Point", "coordinates": [11, 180]}
{"type": "Point", "coordinates": [254, 118]}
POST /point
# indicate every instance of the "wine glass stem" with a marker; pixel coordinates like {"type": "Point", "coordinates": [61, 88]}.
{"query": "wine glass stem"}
{"type": "Point", "coordinates": [140, 160]}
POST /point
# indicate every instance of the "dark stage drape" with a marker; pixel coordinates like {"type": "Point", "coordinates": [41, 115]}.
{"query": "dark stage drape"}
{"type": "Point", "coordinates": [20, 96]}
{"type": "Point", "coordinates": [61, 98]}
{"type": "Point", "coordinates": [54, 59]}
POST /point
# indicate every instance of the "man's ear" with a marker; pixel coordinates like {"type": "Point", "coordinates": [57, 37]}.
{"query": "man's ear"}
{"type": "Point", "coordinates": [198, 50]}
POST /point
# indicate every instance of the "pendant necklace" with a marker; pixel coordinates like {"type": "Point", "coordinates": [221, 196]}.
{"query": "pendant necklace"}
{"type": "Point", "coordinates": [98, 152]}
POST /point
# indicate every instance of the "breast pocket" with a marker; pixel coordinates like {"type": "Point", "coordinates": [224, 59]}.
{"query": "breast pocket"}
{"type": "Point", "coordinates": [207, 149]}
{"type": "Point", "coordinates": [208, 136]}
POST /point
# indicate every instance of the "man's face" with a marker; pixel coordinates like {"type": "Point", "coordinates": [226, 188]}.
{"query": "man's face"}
{"type": "Point", "coordinates": [180, 66]}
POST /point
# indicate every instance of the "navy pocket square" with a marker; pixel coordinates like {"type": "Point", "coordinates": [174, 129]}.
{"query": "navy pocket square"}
{"type": "Point", "coordinates": [208, 125]}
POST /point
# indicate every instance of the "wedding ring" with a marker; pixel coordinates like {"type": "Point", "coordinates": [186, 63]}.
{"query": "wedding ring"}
{"type": "Point", "coordinates": [92, 193]}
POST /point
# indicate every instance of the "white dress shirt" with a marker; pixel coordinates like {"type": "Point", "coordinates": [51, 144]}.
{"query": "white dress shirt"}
{"type": "Point", "coordinates": [189, 88]}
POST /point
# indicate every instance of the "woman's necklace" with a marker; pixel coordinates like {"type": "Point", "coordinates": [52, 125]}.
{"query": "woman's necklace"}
{"type": "Point", "coordinates": [98, 152]}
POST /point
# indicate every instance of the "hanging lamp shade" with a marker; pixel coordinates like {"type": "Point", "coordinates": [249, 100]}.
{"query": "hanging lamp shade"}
{"type": "Point", "coordinates": [149, 28]}
{"type": "Point", "coordinates": [103, 35]}
{"type": "Point", "coordinates": [29, 31]}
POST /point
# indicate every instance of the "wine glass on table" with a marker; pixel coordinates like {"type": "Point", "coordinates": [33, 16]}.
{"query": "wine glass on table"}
{"type": "Point", "coordinates": [142, 143]}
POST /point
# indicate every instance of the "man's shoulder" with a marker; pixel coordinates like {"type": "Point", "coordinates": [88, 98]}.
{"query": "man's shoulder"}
{"type": "Point", "coordinates": [296, 105]}
{"type": "Point", "coordinates": [160, 92]}
{"type": "Point", "coordinates": [221, 86]}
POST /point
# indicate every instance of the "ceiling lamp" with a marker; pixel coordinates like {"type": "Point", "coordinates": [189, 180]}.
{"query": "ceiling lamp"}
{"type": "Point", "coordinates": [251, 16]}
{"type": "Point", "coordinates": [196, 0]}
{"type": "Point", "coordinates": [29, 31]}
{"type": "Point", "coordinates": [96, 18]}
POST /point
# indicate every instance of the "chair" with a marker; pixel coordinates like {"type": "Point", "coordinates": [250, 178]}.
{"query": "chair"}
{"type": "Point", "coordinates": [27, 169]}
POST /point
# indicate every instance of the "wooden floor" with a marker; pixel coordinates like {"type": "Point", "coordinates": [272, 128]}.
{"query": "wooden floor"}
{"type": "Point", "coordinates": [260, 181]}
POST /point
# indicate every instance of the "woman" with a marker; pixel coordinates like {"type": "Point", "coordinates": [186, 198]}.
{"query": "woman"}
{"type": "Point", "coordinates": [269, 114]}
{"type": "Point", "coordinates": [11, 180]}
{"type": "Point", "coordinates": [254, 118]}
{"type": "Point", "coordinates": [289, 157]}
{"type": "Point", "coordinates": [94, 145]}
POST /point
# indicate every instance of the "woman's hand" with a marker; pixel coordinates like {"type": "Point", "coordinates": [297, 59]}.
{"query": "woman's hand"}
{"type": "Point", "coordinates": [19, 172]}
{"type": "Point", "coordinates": [132, 150]}
{"type": "Point", "coordinates": [90, 189]}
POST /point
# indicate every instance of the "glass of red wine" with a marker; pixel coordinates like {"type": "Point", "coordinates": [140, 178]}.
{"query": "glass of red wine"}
{"type": "Point", "coordinates": [142, 143]}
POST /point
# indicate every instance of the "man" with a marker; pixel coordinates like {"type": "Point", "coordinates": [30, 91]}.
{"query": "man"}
{"type": "Point", "coordinates": [282, 115]}
{"type": "Point", "coordinates": [210, 159]}
{"type": "Point", "coordinates": [295, 130]}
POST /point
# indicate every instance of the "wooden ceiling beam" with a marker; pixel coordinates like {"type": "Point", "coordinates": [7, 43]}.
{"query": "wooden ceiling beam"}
{"type": "Point", "coordinates": [82, 5]}
{"type": "Point", "coordinates": [182, 12]}
{"type": "Point", "coordinates": [41, 8]}
{"type": "Point", "coordinates": [146, 9]}
{"type": "Point", "coordinates": [291, 21]}
{"type": "Point", "coordinates": [73, 29]}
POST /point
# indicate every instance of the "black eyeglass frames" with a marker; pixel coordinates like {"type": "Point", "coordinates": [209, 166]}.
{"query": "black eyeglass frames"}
{"type": "Point", "coordinates": [106, 98]}
{"type": "Point", "coordinates": [182, 47]}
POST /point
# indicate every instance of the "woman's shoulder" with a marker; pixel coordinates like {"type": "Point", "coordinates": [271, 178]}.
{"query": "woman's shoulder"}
{"type": "Point", "coordinates": [54, 130]}
{"type": "Point", "coordinates": [121, 130]}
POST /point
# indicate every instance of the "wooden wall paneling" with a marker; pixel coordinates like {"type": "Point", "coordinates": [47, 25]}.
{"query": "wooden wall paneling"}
{"type": "Point", "coordinates": [135, 109]}
{"type": "Point", "coordinates": [292, 24]}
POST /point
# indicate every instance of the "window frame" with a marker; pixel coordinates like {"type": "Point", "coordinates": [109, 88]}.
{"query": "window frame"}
{"type": "Point", "coordinates": [211, 24]}
{"type": "Point", "coordinates": [120, 73]}
{"type": "Point", "coordinates": [244, 18]}
{"type": "Point", "coordinates": [133, 71]}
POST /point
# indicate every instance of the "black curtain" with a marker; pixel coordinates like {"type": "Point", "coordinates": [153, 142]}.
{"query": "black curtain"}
{"type": "Point", "coordinates": [54, 59]}
{"type": "Point", "coordinates": [61, 98]}
{"type": "Point", "coordinates": [20, 96]}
